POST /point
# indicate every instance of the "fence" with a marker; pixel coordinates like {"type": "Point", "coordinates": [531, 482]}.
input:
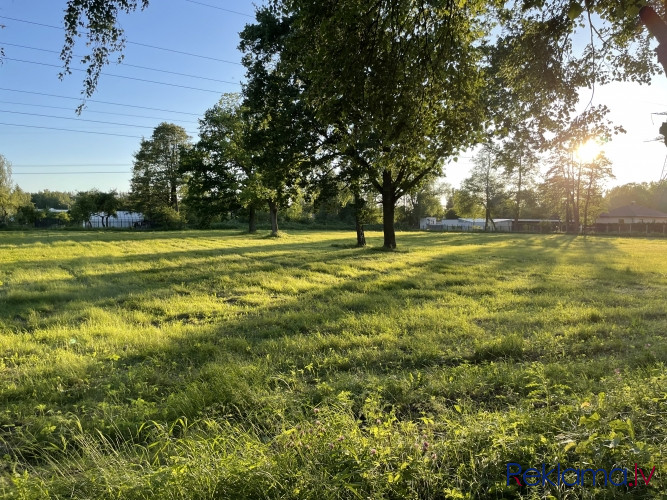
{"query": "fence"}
{"type": "Point", "coordinates": [637, 228]}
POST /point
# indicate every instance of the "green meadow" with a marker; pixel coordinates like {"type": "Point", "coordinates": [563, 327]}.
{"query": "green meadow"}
{"type": "Point", "coordinates": [219, 365]}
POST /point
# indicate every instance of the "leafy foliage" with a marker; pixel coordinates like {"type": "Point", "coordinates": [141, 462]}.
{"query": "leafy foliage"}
{"type": "Point", "coordinates": [397, 85]}
{"type": "Point", "coordinates": [12, 197]}
{"type": "Point", "coordinates": [94, 203]}
{"type": "Point", "coordinates": [156, 175]}
{"type": "Point", "coordinates": [98, 21]}
{"type": "Point", "coordinates": [218, 167]}
{"type": "Point", "coordinates": [484, 188]}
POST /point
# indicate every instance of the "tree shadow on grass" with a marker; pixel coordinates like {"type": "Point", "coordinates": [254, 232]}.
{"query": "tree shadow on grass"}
{"type": "Point", "coordinates": [347, 332]}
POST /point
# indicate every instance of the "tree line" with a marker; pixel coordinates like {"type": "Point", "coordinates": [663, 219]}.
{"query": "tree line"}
{"type": "Point", "coordinates": [335, 206]}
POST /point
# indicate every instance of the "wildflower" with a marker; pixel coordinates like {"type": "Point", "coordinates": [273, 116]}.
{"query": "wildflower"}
{"type": "Point", "coordinates": [316, 410]}
{"type": "Point", "coordinates": [425, 446]}
{"type": "Point", "coordinates": [373, 451]}
{"type": "Point", "coordinates": [340, 438]}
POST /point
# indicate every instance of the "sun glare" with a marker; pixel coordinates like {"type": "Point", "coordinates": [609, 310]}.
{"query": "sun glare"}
{"type": "Point", "coordinates": [589, 150]}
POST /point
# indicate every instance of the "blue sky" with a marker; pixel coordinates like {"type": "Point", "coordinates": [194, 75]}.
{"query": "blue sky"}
{"type": "Point", "coordinates": [45, 158]}
{"type": "Point", "coordinates": [41, 156]}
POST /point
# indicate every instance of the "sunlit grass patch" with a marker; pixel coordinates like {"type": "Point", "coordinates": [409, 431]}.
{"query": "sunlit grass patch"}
{"type": "Point", "coordinates": [221, 365]}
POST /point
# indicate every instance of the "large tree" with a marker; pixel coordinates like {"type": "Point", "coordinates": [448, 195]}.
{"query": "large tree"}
{"type": "Point", "coordinates": [219, 166]}
{"type": "Point", "coordinates": [398, 85]}
{"type": "Point", "coordinates": [88, 204]}
{"type": "Point", "coordinates": [12, 197]}
{"type": "Point", "coordinates": [595, 172]}
{"type": "Point", "coordinates": [156, 176]}
{"type": "Point", "coordinates": [283, 136]}
{"type": "Point", "coordinates": [566, 178]}
{"type": "Point", "coordinates": [484, 187]}
{"type": "Point", "coordinates": [518, 157]}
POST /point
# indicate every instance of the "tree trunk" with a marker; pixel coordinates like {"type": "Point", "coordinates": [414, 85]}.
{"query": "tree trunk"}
{"type": "Point", "coordinates": [361, 236]}
{"type": "Point", "coordinates": [388, 206]}
{"type": "Point", "coordinates": [173, 198]}
{"type": "Point", "coordinates": [518, 196]}
{"type": "Point", "coordinates": [586, 203]}
{"type": "Point", "coordinates": [252, 220]}
{"type": "Point", "coordinates": [577, 202]}
{"type": "Point", "coordinates": [273, 210]}
{"type": "Point", "coordinates": [359, 226]}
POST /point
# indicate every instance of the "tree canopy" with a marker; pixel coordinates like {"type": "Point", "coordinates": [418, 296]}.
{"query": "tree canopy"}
{"type": "Point", "coordinates": [383, 93]}
{"type": "Point", "coordinates": [156, 174]}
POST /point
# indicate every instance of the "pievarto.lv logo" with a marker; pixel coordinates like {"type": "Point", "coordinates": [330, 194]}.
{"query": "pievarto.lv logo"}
{"type": "Point", "coordinates": [557, 476]}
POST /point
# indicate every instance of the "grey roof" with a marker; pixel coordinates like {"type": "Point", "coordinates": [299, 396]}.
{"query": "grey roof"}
{"type": "Point", "coordinates": [634, 210]}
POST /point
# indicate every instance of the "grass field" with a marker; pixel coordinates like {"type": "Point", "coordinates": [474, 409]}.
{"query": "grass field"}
{"type": "Point", "coordinates": [221, 365]}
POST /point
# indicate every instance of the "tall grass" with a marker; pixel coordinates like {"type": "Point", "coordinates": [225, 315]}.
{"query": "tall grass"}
{"type": "Point", "coordinates": [215, 364]}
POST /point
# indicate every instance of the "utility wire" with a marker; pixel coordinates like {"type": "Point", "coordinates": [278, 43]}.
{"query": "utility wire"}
{"type": "Point", "coordinates": [80, 119]}
{"type": "Point", "coordinates": [119, 76]}
{"type": "Point", "coordinates": [70, 130]}
{"type": "Point", "coordinates": [127, 41]}
{"type": "Point", "coordinates": [123, 64]}
{"type": "Point", "coordinates": [69, 173]}
{"type": "Point", "coordinates": [99, 102]}
{"type": "Point", "coordinates": [184, 53]}
{"type": "Point", "coordinates": [220, 8]}
{"type": "Point", "coordinates": [98, 112]}
{"type": "Point", "coordinates": [61, 165]}
{"type": "Point", "coordinates": [75, 119]}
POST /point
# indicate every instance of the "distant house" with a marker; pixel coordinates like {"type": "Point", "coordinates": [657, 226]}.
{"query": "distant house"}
{"type": "Point", "coordinates": [461, 224]}
{"type": "Point", "coordinates": [498, 225]}
{"type": "Point", "coordinates": [632, 213]}
{"type": "Point", "coordinates": [122, 218]}
{"type": "Point", "coordinates": [632, 218]}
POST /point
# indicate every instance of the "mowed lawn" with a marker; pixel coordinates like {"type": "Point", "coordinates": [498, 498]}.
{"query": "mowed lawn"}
{"type": "Point", "coordinates": [214, 364]}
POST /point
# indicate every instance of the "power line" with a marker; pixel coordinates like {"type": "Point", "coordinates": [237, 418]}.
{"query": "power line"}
{"type": "Point", "coordinates": [79, 119]}
{"type": "Point", "coordinates": [75, 119]}
{"type": "Point", "coordinates": [119, 76]}
{"type": "Point", "coordinates": [184, 53]}
{"type": "Point", "coordinates": [100, 102]}
{"type": "Point", "coordinates": [69, 173]}
{"type": "Point", "coordinates": [70, 130]}
{"type": "Point", "coordinates": [124, 64]}
{"type": "Point", "coordinates": [220, 8]}
{"type": "Point", "coordinates": [128, 41]}
{"type": "Point", "coordinates": [61, 165]}
{"type": "Point", "coordinates": [98, 112]}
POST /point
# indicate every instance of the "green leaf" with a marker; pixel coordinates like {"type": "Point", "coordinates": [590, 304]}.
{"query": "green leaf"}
{"type": "Point", "coordinates": [574, 11]}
